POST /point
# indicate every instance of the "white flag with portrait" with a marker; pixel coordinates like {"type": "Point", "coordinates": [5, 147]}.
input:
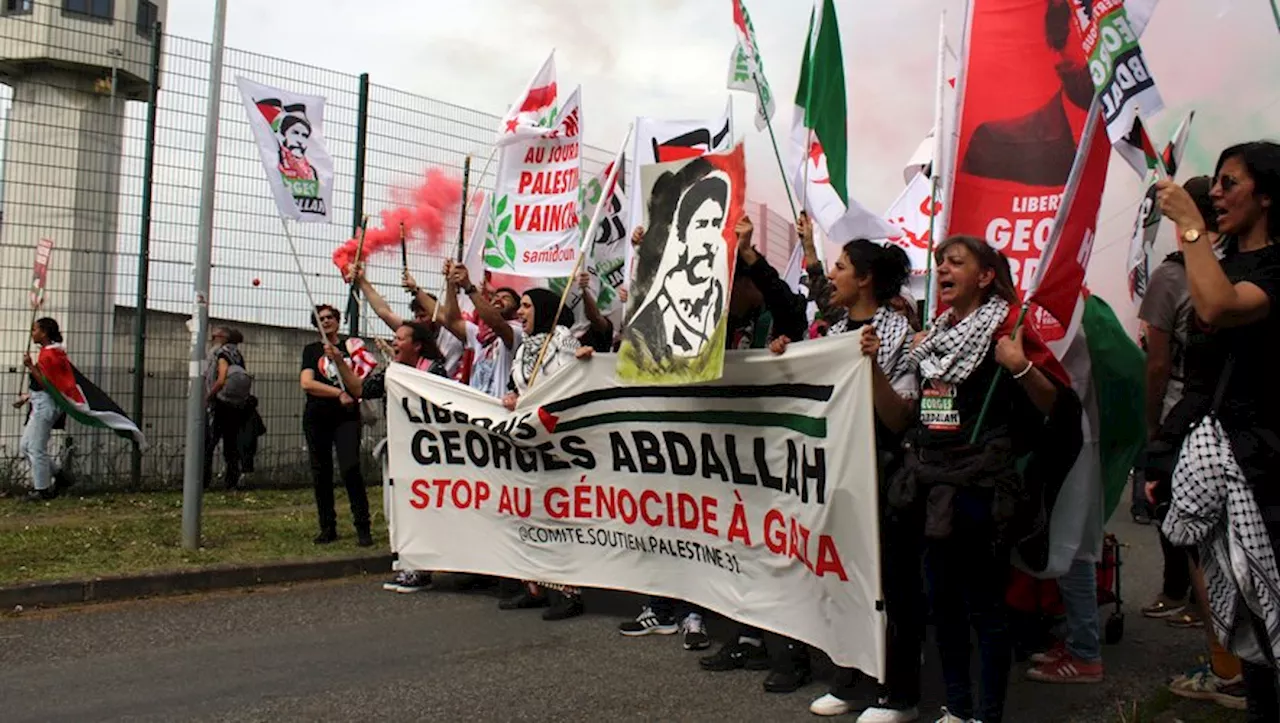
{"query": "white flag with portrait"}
{"type": "Point", "coordinates": [289, 131]}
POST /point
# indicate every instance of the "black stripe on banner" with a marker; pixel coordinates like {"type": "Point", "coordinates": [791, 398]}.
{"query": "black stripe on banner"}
{"type": "Point", "coordinates": [813, 392]}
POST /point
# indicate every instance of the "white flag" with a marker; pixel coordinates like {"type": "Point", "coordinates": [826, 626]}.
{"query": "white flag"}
{"type": "Point", "coordinates": [911, 214]}
{"type": "Point", "coordinates": [289, 131]}
{"type": "Point", "coordinates": [534, 112]}
{"type": "Point", "coordinates": [746, 69]}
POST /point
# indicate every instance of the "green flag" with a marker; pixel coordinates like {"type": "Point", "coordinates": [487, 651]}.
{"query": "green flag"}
{"type": "Point", "coordinates": [820, 99]}
{"type": "Point", "coordinates": [1118, 368]}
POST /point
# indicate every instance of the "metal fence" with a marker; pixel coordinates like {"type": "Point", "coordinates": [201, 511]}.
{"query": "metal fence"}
{"type": "Point", "coordinates": [73, 168]}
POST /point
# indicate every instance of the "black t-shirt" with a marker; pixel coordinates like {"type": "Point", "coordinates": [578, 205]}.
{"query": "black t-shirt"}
{"type": "Point", "coordinates": [313, 358]}
{"type": "Point", "coordinates": [948, 413]}
{"type": "Point", "coordinates": [1252, 396]}
{"type": "Point", "coordinates": [1250, 408]}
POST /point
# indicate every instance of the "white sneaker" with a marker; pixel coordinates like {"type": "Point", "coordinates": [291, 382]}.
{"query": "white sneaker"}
{"type": "Point", "coordinates": [889, 715]}
{"type": "Point", "coordinates": [393, 585]}
{"type": "Point", "coordinates": [829, 705]}
{"type": "Point", "coordinates": [948, 718]}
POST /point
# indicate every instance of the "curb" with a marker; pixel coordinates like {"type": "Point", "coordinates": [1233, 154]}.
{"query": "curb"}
{"type": "Point", "coordinates": [220, 577]}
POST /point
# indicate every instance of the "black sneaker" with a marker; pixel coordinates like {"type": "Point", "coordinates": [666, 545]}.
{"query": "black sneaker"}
{"type": "Point", "coordinates": [43, 495]}
{"type": "Point", "coordinates": [563, 607]}
{"type": "Point", "coordinates": [364, 539]}
{"type": "Point", "coordinates": [737, 655]}
{"type": "Point", "coordinates": [525, 600]}
{"type": "Point", "coordinates": [787, 681]}
{"type": "Point", "coordinates": [414, 581]}
{"type": "Point", "coordinates": [325, 537]}
{"type": "Point", "coordinates": [648, 623]}
{"type": "Point", "coordinates": [695, 635]}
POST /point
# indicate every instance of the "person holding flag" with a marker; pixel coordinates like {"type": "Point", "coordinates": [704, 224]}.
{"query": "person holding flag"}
{"type": "Point", "coordinates": [1225, 500]}
{"type": "Point", "coordinates": [52, 363]}
{"type": "Point", "coordinates": [973, 501]}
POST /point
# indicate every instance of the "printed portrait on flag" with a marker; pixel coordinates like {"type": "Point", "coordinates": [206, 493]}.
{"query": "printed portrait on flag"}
{"type": "Point", "coordinates": [1024, 103]}
{"type": "Point", "coordinates": [288, 129]}
{"type": "Point", "coordinates": [677, 311]}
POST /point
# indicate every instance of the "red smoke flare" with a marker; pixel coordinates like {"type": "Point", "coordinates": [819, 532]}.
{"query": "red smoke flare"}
{"type": "Point", "coordinates": [421, 209]}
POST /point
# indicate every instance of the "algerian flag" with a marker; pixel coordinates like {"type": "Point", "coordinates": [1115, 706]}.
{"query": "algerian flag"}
{"type": "Point", "coordinates": [746, 69]}
{"type": "Point", "coordinates": [819, 139]}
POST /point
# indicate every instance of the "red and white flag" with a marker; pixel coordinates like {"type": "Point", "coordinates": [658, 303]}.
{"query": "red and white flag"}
{"type": "Point", "coordinates": [533, 114]}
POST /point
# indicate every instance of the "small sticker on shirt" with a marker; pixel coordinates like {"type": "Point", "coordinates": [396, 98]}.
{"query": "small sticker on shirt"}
{"type": "Point", "coordinates": [938, 410]}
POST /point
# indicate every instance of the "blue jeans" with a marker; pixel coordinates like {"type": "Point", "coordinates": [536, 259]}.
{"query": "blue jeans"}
{"type": "Point", "coordinates": [35, 439]}
{"type": "Point", "coordinates": [1079, 588]}
{"type": "Point", "coordinates": [967, 575]}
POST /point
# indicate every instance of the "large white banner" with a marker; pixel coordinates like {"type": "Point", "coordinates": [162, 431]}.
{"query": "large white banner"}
{"type": "Point", "coordinates": [535, 225]}
{"type": "Point", "coordinates": [659, 141]}
{"type": "Point", "coordinates": [289, 131]}
{"type": "Point", "coordinates": [754, 496]}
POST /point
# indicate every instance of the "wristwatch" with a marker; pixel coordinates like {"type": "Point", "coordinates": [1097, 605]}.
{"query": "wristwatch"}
{"type": "Point", "coordinates": [1191, 236]}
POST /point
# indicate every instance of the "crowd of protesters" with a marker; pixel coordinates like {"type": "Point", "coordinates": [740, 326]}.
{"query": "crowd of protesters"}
{"type": "Point", "coordinates": [956, 487]}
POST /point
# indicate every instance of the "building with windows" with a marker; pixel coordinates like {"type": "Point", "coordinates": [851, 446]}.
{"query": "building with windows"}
{"type": "Point", "coordinates": [72, 65]}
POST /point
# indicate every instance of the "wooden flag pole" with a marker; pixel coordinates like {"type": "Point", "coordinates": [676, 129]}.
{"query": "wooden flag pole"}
{"type": "Point", "coordinates": [462, 218]}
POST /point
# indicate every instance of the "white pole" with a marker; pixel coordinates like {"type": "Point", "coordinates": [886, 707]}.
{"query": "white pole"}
{"type": "Point", "coordinates": [935, 166]}
{"type": "Point", "coordinates": [193, 468]}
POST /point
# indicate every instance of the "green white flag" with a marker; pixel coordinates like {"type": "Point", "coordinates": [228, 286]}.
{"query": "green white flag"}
{"type": "Point", "coordinates": [746, 69]}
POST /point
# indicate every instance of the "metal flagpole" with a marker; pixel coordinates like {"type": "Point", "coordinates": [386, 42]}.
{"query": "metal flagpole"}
{"type": "Point", "coordinates": [935, 169]}
{"type": "Point", "coordinates": [193, 467]}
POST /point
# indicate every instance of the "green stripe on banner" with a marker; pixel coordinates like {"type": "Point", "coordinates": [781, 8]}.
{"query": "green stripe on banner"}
{"type": "Point", "coordinates": [811, 392]}
{"type": "Point", "coordinates": [1119, 379]}
{"type": "Point", "coordinates": [811, 426]}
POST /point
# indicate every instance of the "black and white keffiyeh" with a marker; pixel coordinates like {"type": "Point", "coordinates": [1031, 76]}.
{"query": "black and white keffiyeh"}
{"type": "Point", "coordinates": [561, 350]}
{"type": "Point", "coordinates": [953, 350]}
{"type": "Point", "coordinates": [893, 330]}
{"type": "Point", "coordinates": [1213, 508]}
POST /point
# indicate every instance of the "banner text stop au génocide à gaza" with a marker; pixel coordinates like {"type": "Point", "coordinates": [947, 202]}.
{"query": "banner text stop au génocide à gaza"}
{"type": "Point", "coordinates": [754, 496]}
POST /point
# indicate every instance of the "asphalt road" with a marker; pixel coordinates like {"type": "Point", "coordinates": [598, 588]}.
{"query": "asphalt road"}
{"type": "Point", "coordinates": [346, 650]}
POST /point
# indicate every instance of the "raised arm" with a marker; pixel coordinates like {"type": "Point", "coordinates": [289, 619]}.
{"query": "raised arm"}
{"type": "Point", "coordinates": [460, 278]}
{"type": "Point", "coordinates": [379, 304]}
{"type": "Point", "coordinates": [589, 307]}
{"type": "Point", "coordinates": [1216, 300]}
{"type": "Point", "coordinates": [451, 317]}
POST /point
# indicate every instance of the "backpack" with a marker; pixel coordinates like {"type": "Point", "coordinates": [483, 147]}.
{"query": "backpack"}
{"type": "Point", "coordinates": [238, 387]}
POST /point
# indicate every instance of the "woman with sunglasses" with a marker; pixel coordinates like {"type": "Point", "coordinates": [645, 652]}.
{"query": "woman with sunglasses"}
{"type": "Point", "coordinates": [331, 422]}
{"type": "Point", "coordinates": [1226, 500]}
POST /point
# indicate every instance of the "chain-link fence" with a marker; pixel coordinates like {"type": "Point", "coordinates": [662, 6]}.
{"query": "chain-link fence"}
{"type": "Point", "coordinates": [73, 168]}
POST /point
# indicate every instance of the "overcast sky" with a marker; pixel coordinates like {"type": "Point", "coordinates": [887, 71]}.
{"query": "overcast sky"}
{"type": "Point", "coordinates": [669, 58]}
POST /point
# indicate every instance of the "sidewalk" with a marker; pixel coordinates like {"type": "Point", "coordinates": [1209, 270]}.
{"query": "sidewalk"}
{"type": "Point", "coordinates": [126, 545]}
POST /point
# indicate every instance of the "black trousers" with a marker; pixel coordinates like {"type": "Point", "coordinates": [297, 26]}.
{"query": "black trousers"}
{"type": "Point", "coordinates": [225, 423]}
{"type": "Point", "coordinates": [1177, 572]}
{"type": "Point", "coordinates": [902, 581]}
{"type": "Point", "coordinates": [327, 433]}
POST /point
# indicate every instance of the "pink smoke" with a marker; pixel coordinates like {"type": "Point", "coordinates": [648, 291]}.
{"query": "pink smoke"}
{"type": "Point", "coordinates": [422, 209]}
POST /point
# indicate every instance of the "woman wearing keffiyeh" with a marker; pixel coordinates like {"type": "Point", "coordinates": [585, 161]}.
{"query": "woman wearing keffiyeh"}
{"type": "Point", "coordinates": [967, 498]}
{"type": "Point", "coordinates": [538, 314]}
{"type": "Point", "coordinates": [1226, 500]}
{"type": "Point", "coordinates": [862, 284]}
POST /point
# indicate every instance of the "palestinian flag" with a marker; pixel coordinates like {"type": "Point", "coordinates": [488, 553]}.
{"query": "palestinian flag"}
{"type": "Point", "coordinates": [1137, 148]}
{"type": "Point", "coordinates": [1106, 367]}
{"type": "Point", "coordinates": [819, 138]}
{"type": "Point", "coordinates": [1147, 224]}
{"type": "Point", "coordinates": [81, 399]}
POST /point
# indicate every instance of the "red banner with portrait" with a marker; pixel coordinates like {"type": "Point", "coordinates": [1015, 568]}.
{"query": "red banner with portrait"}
{"type": "Point", "coordinates": [1023, 107]}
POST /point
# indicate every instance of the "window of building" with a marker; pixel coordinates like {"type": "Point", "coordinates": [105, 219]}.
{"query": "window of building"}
{"type": "Point", "coordinates": [17, 7]}
{"type": "Point", "coordinates": [97, 9]}
{"type": "Point", "coordinates": [148, 14]}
